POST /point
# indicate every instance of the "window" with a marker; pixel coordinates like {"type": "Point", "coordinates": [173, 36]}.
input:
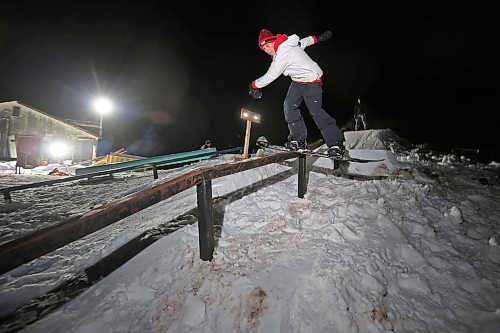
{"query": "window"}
{"type": "Point", "coordinates": [16, 111]}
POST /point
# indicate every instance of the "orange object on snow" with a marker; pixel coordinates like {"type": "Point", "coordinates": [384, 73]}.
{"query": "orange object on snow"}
{"type": "Point", "coordinates": [56, 172]}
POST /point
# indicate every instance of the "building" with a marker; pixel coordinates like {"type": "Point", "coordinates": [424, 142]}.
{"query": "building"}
{"type": "Point", "coordinates": [30, 136]}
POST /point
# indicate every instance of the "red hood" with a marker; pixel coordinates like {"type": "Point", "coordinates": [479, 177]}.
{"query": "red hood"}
{"type": "Point", "coordinates": [279, 39]}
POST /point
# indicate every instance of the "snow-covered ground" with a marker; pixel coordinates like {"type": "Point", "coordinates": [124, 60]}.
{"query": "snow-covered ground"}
{"type": "Point", "coordinates": [411, 249]}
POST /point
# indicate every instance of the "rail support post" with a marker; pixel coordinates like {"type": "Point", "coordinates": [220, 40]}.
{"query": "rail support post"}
{"type": "Point", "coordinates": [205, 219]}
{"type": "Point", "coordinates": [155, 171]}
{"type": "Point", "coordinates": [302, 177]}
{"type": "Point", "coordinates": [6, 197]}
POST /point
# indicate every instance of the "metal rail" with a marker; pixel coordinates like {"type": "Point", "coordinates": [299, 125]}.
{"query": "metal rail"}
{"type": "Point", "coordinates": [157, 160]}
{"type": "Point", "coordinates": [38, 243]}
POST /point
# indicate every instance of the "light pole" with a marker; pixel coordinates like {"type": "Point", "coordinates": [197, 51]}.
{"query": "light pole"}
{"type": "Point", "coordinates": [103, 106]}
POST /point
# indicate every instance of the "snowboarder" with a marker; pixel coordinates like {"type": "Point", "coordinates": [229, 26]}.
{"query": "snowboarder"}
{"type": "Point", "coordinates": [290, 59]}
{"type": "Point", "coordinates": [359, 115]}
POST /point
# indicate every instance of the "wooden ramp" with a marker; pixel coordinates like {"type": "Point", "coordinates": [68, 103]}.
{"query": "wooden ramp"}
{"type": "Point", "coordinates": [116, 157]}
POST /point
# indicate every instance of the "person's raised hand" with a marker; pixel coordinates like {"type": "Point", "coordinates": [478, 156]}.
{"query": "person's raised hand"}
{"type": "Point", "coordinates": [255, 93]}
{"type": "Point", "coordinates": [324, 36]}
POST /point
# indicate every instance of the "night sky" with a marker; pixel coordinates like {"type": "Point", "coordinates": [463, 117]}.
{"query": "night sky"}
{"type": "Point", "coordinates": [178, 74]}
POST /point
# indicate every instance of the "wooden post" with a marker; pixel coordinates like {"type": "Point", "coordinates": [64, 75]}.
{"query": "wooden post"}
{"type": "Point", "coordinates": [250, 117]}
{"type": "Point", "coordinates": [247, 139]}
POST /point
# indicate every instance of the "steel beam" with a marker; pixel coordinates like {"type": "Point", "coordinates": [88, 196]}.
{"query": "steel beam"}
{"type": "Point", "coordinates": [205, 219]}
{"type": "Point", "coordinates": [302, 181]}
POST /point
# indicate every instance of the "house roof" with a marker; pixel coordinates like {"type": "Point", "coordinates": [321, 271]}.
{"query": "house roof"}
{"type": "Point", "coordinates": [53, 117]}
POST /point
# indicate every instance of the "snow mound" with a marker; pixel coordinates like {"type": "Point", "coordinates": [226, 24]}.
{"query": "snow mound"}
{"type": "Point", "coordinates": [377, 139]}
{"type": "Point", "coordinates": [385, 164]}
{"type": "Point", "coordinates": [377, 144]}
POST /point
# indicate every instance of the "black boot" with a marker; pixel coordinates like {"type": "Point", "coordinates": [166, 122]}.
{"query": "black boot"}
{"type": "Point", "coordinates": [336, 150]}
{"type": "Point", "coordinates": [296, 144]}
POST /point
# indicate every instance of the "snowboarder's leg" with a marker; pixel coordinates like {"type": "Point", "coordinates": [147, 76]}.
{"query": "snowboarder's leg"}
{"type": "Point", "coordinates": [296, 125]}
{"type": "Point", "coordinates": [313, 97]}
{"type": "Point", "coordinates": [356, 123]}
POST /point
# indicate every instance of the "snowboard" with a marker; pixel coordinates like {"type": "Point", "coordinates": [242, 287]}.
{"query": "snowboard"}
{"type": "Point", "coordinates": [264, 144]}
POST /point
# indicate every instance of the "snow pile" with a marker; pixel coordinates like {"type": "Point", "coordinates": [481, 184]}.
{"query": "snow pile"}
{"type": "Point", "coordinates": [377, 139]}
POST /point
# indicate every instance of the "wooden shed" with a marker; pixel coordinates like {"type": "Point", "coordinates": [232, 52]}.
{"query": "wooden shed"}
{"type": "Point", "coordinates": [29, 136]}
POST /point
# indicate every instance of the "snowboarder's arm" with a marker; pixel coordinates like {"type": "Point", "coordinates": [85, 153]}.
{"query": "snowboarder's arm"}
{"type": "Point", "coordinates": [275, 70]}
{"type": "Point", "coordinates": [305, 42]}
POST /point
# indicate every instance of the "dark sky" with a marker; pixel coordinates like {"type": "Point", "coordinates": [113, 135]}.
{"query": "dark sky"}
{"type": "Point", "coordinates": [178, 74]}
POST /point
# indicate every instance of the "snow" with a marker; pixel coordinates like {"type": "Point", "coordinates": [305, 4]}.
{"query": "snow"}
{"type": "Point", "coordinates": [408, 245]}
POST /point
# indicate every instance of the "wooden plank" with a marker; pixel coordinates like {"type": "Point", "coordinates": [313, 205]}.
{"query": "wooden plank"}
{"type": "Point", "coordinates": [247, 139]}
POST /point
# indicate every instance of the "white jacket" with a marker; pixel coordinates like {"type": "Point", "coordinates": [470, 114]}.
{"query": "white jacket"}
{"type": "Point", "coordinates": [291, 60]}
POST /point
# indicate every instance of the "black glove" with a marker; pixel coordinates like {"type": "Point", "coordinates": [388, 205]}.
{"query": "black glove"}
{"type": "Point", "coordinates": [324, 36]}
{"type": "Point", "coordinates": [255, 93]}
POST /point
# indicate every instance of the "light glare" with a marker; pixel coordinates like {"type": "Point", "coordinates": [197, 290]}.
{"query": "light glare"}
{"type": "Point", "coordinates": [58, 149]}
{"type": "Point", "coordinates": [103, 105]}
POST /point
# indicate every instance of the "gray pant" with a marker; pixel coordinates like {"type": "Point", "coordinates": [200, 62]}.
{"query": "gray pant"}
{"type": "Point", "coordinates": [312, 95]}
{"type": "Point", "coordinates": [360, 121]}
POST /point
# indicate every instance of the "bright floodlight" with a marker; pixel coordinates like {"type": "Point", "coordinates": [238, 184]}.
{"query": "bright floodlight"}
{"type": "Point", "coordinates": [103, 105]}
{"type": "Point", "coordinates": [58, 149]}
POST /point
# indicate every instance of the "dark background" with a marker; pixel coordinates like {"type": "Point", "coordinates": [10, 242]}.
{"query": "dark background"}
{"type": "Point", "coordinates": [178, 74]}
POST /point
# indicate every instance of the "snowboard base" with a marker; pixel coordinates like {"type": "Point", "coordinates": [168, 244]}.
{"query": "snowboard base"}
{"type": "Point", "coordinates": [265, 145]}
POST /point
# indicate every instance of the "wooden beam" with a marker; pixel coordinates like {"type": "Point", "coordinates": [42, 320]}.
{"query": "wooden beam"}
{"type": "Point", "coordinates": [247, 139]}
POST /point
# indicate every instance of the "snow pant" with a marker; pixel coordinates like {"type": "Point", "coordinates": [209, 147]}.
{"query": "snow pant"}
{"type": "Point", "coordinates": [312, 95]}
{"type": "Point", "coordinates": [359, 120]}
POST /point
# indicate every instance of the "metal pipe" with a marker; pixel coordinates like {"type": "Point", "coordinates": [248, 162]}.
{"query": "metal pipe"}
{"type": "Point", "coordinates": [302, 176]}
{"type": "Point", "coordinates": [205, 219]}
